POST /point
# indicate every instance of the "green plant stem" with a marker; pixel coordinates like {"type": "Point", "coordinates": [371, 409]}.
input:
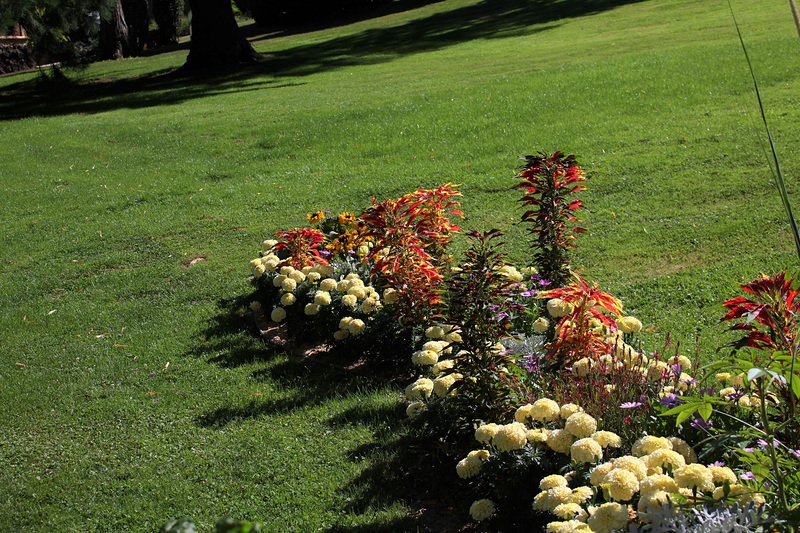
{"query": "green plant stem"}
{"type": "Point", "coordinates": [771, 445]}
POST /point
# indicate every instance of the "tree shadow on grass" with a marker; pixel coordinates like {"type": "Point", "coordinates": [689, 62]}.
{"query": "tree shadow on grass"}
{"type": "Point", "coordinates": [488, 19]}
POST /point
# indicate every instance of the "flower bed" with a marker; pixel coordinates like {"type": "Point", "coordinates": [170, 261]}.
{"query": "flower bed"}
{"type": "Point", "coordinates": [537, 377]}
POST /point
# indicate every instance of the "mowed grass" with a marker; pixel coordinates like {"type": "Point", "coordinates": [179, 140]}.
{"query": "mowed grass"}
{"type": "Point", "coordinates": [132, 392]}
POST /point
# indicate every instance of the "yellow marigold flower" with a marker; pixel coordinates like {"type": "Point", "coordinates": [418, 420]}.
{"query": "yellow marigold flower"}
{"type": "Point", "coordinates": [420, 389]}
{"type": "Point", "coordinates": [547, 500]}
{"type": "Point", "coordinates": [278, 280]}
{"type": "Point", "coordinates": [313, 277]}
{"type": "Point", "coordinates": [558, 307]}
{"type": "Point", "coordinates": [553, 480]}
{"type": "Point", "coordinates": [434, 346]}
{"type": "Point", "coordinates": [524, 413]}
{"type": "Point", "coordinates": [358, 292]}
{"type": "Point", "coordinates": [327, 285]}
{"type": "Point", "coordinates": [727, 391]}
{"type": "Point", "coordinates": [658, 482]}
{"type": "Point", "coordinates": [580, 495]}
{"type": "Point", "coordinates": [722, 376]}
{"type": "Point", "coordinates": [632, 464]}
{"type": "Point", "coordinates": [482, 509]}
{"type": "Point", "coordinates": [510, 437]}
{"type": "Point", "coordinates": [648, 444]}
{"type": "Point", "coordinates": [288, 285]}
{"type": "Point", "coordinates": [345, 321]}
{"type": "Point", "coordinates": [608, 517]}
{"type": "Point", "coordinates": [322, 298]}
{"type": "Point", "coordinates": [657, 369]}
{"type": "Point", "coordinates": [721, 474]}
{"type": "Point", "coordinates": [255, 306]}
{"type": "Point", "coordinates": [607, 439]}
{"type": "Point", "coordinates": [570, 511]}
{"type": "Point", "coordinates": [560, 440]}
{"type": "Point", "coordinates": [581, 367]}
{"type": "Point", "coordinates": [622, 484]}
{"type": "Point", "coordinates": [434, 333]}
{"type": "Point", "coordinates": [586, 450]}
{"type": "Point", "coordinates": [341, 334]}
{"type": "Point", "coordinates": [424, 357]}
{"type": "Point", "coordinates": [311, 309]}
{"type": "Point", "coordinates": [599, 472]}
{"type": "Point", "coordinates": [537, 436]}
{"type": "Point", "coordinates": [569, 409]}
{"type": "Point", "coordinates": [468, 467]}
{"type": "Point", "coordinates": [694, 475]}
{"type": "Point", "coordinates": [650, 501]}
{"type": "Point", "coordinates": [486, 432]}
{"type": "Point", "coordinates": [581, 425]}
{"type": "Point", "coordinates": [297, 276]}
{"type": "Point", "coordinates": [742, 493]}
{"type": "Point", "coordinates": [342, 286]}
{"type": "Point", "coordinates": [453, 336]}
{"type": "Point", "coordinates": [258, 270]}
{"type": "Point", "coordinates": [545, 410]}
{"type": "Point", "coordinates": [540, 325]}
{"type": "Point", "coordinates": [629, 324]}
{"type": "Point", "coordinates": [737, 381]}
{"type": "Point", "coordinates": [391, 296]}
{"type": "Point", "coordinates": [664, 458]}
{"type": "Point", "coordinates": [683, 448]}
{"type": "Point", "coordinates": [356, 326]}
{"type": "Point", "coordinates": [446, 364]}
{"type": "Point", "coordinates": [414, 408]}
{"type": "Point", "coordinates": [268, 244]}
{"type": "Point", "coordinates": [278, 314]}
{"type": "Point", "coordinates": [349, 300]}
{"type": "Point", "coordinates": [271, 264]}
{"type": "Point", "coordinates": [442, 384]}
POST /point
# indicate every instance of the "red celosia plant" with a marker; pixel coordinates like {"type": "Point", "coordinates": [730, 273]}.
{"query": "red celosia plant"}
{"type": "Point", "coordinates": [578, 333]}
{"type": "Point", "coordinates": [547, 180]}
{"type": "Point", "coordinates": [411, 235]}
{"type": "Point", "coordinates": [303, 245]}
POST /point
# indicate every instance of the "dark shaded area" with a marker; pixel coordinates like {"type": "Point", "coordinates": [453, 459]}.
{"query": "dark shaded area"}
{"type": "Point", "coordinates": [485, 20]}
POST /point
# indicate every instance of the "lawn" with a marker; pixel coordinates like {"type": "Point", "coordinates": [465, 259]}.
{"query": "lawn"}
{"type": "Point", "coordinates": [133, 392]}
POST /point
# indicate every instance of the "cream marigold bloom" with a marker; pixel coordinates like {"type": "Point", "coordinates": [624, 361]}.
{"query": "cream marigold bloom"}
{"type": "Point", "coordinates": [268, 244]}
{"type": "Point", "coordinates": [632, 464]}
{"type": "Point", "coordinates": [322, 298]}
{"type": "Point", "coordinates": [343, 285]}
{"type": "Point", "coordinates": [560, 440]}
{"type": "Point", "coordinates": [580, 495]}
{"type": "Point", "coordinates": [443, 384]}
{"type": "Point", "coordinates": [599, 472]}
{"type": "Point", "coordinates": [569, 409]}
{"type": "Point", "coordinates": [721, 474]}
{"type": "Point", "coordinates": [313, 277]}
{"type": "Point", "coordinates": [391, 296]}
{"type": "Point", "coordinates": [650, 501]}
{"type": "Point", "coordinates": [648, 444]}
{"type": "Point", "coordinates": [737, 381]}
{"type": "Point", "coordinates": [349, 300]}
{"type": "Point", "coordinates": [582, 367]}
{"type": "Point", "coordinates": [327, 285]}
{"type": "Point", "coordinates": [581, 425]}
{"type": "Point", "coordinates": [420, 389]}
{"type": "Point", "coordinates": [278, 314]}
{"type": "Point", "coordinates": [657, 369]}
{"type": "Point", "coordinates": [510, 437]}
{"type": "Point", "coordinates": [288, 285]}
{"type": "Point", "coordinates": [311, 309]}
{"type": "Point", "coordinates": [358, 292]}
{"type": "Point", "coordinates": [658, 482]}
{"type": "Point", "coordinates": [341, 334]}
{"type": "Point", "coordinates": [547, 500]}
{"type": "Point", "coordinates": [468, 467]}
{"type": "Point", "coordinates": [537, 436]}
{"type": "Point", "coordinates": [586, 450]}
{"type": "Point", "coordinates": [742, 493]}
{"type": "Point", "coordinates": [424, 357]}
{"type": "Point", "coordinates": [608, 517]}
{"type": "Point", "coordinates": [258, 270]}
{"type": "Point", "coordinates": [607, 439]}
{"type": "Point", "coordinates": [434, 346]}
{"type": "Point", "coordinates": [369, 305]}
{"type": "Point", "coordinates": [570, 511]}
{"type": "Point", "coordinates": [540, 325]}
{"type": "Point", "coordinates": [553, 480]}
{"type": "Point", "coordinates": [297, 276]}
{"type": "Point", "coordinates": [286, 270]}
{"type": "Point", "coordinates": [356, 326]}
{"type": "Point", "coordinates": [288, 299]}
{"type": "Point", "coordinates": [622, 484]}
{"type": "Point", "coordinates": [441, 366]}
{"type": "Point", "coordinates": [482, 509]}
{"type": "Point", "coordinates": [523, 413]}
{"type": "Point", "coordinates": [345, 321]}
{"type": "Point", "coordinates": [629, 324]}
{"type": "Point", "coordinates": [278, 280]}
{"type": "Point", "coordinates": [486, 432]}
{"type": "Point", "coordinates": [664, 458]}
{"type": "Point", "coordinates": [722, 376]}
{"type": "Point", "coordinates": [255, 306]}
{"type": "Point", "coordinates": [434, 333]}
{"type": "Point", "coordinates": [545, 410]}
{"type": "Point", "coordinates": [558, 307]}
{"type": "Point", "coordinates": [414, 408]}
{"type": "Point", "coordinates": [453, 336]}
{"type": "Point", "coordinates": [694, 475]}
{"type": "Point", "coordinates": [683, 448]}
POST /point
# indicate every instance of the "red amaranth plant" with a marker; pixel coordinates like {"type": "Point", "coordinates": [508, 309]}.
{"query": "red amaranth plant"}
{"type": "Point", "coordinates": [303, 245]}
{"type": "Point", "coordinates": [548, 180]}
{"type": "Point", "coordinates": [577, 334]}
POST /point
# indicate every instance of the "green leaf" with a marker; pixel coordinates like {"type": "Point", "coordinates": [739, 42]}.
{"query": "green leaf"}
{"type": "Point", "coordinates": [705, 411]}
{"type": "Point", "coordinates": [755, 373]}
{"type": "Point", "coordinates": [683, 416]}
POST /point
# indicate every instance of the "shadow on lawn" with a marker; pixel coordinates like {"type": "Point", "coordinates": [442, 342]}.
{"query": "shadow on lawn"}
{"type": "Point", "coordinates": [488, 19]}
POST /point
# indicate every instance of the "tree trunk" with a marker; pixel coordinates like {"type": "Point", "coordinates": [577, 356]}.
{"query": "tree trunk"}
{"type": "Point", "coordinates": [216, 40]}
{"type": "Point", "coordinates": [114, 40]}
{"type": "Point", "coordinates": [138, 20]}
{"type": "Point", "coordinates": [167, 15]}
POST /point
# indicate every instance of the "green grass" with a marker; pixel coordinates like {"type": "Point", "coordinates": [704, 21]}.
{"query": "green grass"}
{"type": "Point", "coordinates": [108, 189]}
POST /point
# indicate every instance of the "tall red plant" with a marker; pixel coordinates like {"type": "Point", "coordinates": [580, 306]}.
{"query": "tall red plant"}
{"type": "Point", "coordinates": [303, 245]}
{"type": "Point", "coordinates": [548, 180]}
